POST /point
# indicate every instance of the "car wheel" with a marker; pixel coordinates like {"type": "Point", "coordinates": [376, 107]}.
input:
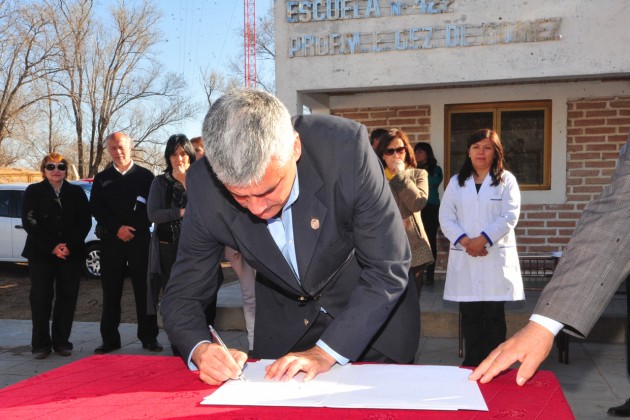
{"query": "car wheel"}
{"type": "Point", "coordinates": [92, 266]}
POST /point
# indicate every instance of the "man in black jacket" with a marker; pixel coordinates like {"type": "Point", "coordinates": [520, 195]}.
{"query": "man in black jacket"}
{"type": "Point", "coordinates": [118, 200]}
{"type": "Point", "coordinates": [308, 207]}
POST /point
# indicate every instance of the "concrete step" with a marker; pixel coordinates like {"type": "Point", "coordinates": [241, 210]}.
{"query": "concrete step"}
{"type": "Point", "coordinates": [610, 328]}
{"type": "Point", "coordinates": [439, 318]}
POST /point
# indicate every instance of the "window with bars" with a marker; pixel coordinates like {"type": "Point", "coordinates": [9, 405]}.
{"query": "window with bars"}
{"type": "Point", "coordinates": [525, 132]}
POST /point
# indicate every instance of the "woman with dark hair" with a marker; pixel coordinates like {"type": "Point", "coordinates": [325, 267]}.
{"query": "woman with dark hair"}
{"type": "Point", "coordinates": [478, 214]}
{"type": "Point", "coordinates": [56, 216]}
{"type": "Point", "coordinates": [425, 159]}
{"type": "Point", "coordinates": [410, 189]}
{"type": "Point", "coordinates": [166, 207]}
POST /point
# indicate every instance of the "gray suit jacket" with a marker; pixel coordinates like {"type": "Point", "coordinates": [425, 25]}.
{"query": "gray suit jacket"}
{"type": "Point", "coordinates": [596, 259]}
{"type": "Point", "coordinates": [352, 254]}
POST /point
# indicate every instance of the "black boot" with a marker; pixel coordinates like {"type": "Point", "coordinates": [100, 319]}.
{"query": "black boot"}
{"type": "Point", "coordinates": [621, 411]}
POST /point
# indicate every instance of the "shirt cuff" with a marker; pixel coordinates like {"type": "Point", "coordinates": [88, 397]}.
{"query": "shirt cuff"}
{"type": "Point", "coordinates": [339, 358]}
{"type": "Point", "coordinates": [459, 239]}
{"type": "Point", "coordinates": [487, 238]}
{"type": "Point", "coordinates": [553, 326]}
{"type": "Point", "coordinates": [191, 364]}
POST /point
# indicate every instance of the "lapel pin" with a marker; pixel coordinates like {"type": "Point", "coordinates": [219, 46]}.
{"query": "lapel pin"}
{"type": "Point", "coordinates": [314, 223]}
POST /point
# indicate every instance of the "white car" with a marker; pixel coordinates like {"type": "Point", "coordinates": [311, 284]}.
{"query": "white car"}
{"type": "Point", "coordinates": [14, 235]}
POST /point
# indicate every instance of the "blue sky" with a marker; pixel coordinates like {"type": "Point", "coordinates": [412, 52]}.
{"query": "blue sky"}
{"type": "Point", "coordinates": [201, 33]}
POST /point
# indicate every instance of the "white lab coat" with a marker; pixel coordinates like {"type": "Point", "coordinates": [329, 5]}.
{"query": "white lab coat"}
{"type": "Point", "coordinates": [495, 211]}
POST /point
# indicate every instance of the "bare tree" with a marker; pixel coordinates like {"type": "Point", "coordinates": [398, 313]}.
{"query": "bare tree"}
{"type": "Point", "coordinates": [72, 22]}
{"type": "Point", "coordinates": [215, 83]}
{"type": "Point", "coordinates": [212, 81]}
{"type": "Point", "coordinates": [26, 52]}
{"type": "Point", "coordinates": [44, 130]}
{"type": "Point", "coordinates": [265, 35]}
{"type": "Point", "coordinates": [11, 152]}
{"type": "Point", "coordinates": [111, 78]}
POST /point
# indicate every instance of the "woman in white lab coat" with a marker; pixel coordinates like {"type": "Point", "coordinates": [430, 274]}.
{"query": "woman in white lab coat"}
{"type": "Point", "coordinates": [478, 214]}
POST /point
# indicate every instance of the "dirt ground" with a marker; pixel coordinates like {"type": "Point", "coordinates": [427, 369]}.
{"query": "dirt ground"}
{"type": "Point", "coordinates": [15, 286]}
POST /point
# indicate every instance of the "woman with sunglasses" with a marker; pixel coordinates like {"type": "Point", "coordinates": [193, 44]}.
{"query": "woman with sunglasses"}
{"type": "Point", "coordinates": [56, 217]}
{"type": "Point", "coordinates": [478, 214]}
{"type": "Point", "coordinates": [410, 188]}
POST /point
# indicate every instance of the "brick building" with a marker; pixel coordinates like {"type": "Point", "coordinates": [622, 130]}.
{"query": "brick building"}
{"type": "Point", "coordinates": [550, 77]}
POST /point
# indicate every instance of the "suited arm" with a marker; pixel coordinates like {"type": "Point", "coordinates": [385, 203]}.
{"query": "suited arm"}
{"type": "Point", "coordinates": [594, 264]}
{"type": "Point", "coordinates": [194, 278]}
{"type": "Point", "coordinates": [381, 246]}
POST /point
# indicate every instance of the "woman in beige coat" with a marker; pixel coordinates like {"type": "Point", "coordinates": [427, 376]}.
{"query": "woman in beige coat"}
{"type": "Point", "coordinates": [410, 188]}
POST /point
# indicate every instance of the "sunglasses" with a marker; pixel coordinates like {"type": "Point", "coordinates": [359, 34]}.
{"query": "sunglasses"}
{"type": "Point", "coordinates": [398, 151]}
{"type": "Point", "coordinates": [52, 166]}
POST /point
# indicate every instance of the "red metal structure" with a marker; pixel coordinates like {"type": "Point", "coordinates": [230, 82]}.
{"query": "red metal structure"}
{"type": "Point", "coordinates": [249, 41]}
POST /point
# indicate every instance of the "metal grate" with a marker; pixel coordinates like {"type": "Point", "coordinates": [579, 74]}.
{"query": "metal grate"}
{"type": "Point", "coordinates": [537, 269]}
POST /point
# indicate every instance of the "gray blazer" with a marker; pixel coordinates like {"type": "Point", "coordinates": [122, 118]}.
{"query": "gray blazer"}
{"type": "Point", "coordinates": [596, 259]}
{"type": "Point", "coordinates": [352, 254]}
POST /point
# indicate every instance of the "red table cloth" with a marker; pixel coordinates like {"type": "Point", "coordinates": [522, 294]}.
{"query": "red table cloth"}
{"type": "Point", "coordinates": [160, 387]}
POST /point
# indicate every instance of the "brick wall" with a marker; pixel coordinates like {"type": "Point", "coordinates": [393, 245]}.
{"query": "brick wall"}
{"type": "Point", "coordinates": [415, 121]}
{"type": "Point", "coordinates": [596, 130]}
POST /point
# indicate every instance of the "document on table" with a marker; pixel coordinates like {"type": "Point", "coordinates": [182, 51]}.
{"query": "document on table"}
{"type": "Point", "coordinates": [373, 386]}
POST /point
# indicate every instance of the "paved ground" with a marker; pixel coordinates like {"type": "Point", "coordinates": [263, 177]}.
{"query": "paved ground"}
{"type": "Point", "coordinates": [594, 380]}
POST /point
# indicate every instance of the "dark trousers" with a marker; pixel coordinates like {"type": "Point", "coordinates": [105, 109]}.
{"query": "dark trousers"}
{"type": "Point", "coordinates": [168, 253]}
{"type": "Point", "coordinates": [59, 280]}
{"type": "Point", "coordinates": [484, 328]}
{"type": "Point", "coordinates": [117, 255]}
{"type": "Point", "coordinates": [431, 221]}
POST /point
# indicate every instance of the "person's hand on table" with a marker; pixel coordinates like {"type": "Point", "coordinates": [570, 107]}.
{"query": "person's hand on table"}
{"type": "Point", "coordinates": [530, 346]}
{"type": "Point", "coordinates": [215, 364]}
{"type": "Point", "coordinates": [312, 361]}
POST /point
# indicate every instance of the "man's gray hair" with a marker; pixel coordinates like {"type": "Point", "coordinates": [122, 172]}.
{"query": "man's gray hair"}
{"type": "Point", "coordinates": [243, 132]}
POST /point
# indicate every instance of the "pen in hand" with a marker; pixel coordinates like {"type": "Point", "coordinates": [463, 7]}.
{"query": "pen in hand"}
{"type": "Point", "coordinates": [217, 340]}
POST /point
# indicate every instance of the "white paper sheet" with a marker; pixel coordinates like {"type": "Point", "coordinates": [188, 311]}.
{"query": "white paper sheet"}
{"type": "Point", "coordinates": [358, 386]}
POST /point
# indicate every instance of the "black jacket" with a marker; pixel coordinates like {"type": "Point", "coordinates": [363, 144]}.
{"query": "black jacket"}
{"type": "Point", "coordinates": [49, 220]}
{"type": "Point", "coordinates": [351, 248]}
{"type": "Point", "coordinates": [119, 199]}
